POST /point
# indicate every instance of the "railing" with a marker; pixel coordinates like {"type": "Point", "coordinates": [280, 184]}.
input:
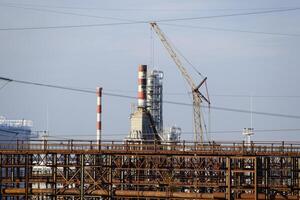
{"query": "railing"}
{"type": "Point", "coordinates": [16, 123]}
{"type": "Point", "coordinates": [152, 146]}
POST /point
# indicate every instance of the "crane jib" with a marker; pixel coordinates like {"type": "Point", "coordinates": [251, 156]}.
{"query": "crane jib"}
{"type": "Point", "coordinates": [197, 96]}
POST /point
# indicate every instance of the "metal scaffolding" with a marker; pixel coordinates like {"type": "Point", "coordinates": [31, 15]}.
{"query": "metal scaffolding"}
{"type": "Point", "coordinates": [118, 170]}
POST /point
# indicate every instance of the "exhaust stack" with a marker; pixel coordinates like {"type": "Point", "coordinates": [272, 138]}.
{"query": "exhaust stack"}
{"type": "Point", "coordinates": [142, 86]}
{"type": "Point", "coordinates": [99, 113]}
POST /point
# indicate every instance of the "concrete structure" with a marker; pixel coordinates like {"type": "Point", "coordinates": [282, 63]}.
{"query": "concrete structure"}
{"type": "Point", "coordinates": [141, 126]}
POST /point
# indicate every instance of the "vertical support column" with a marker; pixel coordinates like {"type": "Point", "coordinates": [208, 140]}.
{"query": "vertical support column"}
{"type": "Point", "coordinates": [26, 176]}
{"type": "Point", "coordinates": [17, 171]}
{"type": "Point", "coordinates": [295, 174]}
{"type": "Point", "coordinates": [292, 161]}
{"type": "Point", "coordinates": [99, 115]}
{"type": "Point", "coordinates": [12, 172]}
{"type": "Point", "coordinates": [282, 168]}
{"type": "Point", "coordinates": [228, 178]}
{"type": "Point", "coordinates": [94, 167]}
{"type": "Point", "coordinates": [110, 184]}
{"type": "Point", "coordinates": [82, 177]}
{"type": "Point", "coordinates": [1, 169]}
{"type": "Point", "coordinates": [298, 175]}
{"type": "Point", "coordinates": [255, 178]}
{"type": "Point", "coordinates": [66, 166]}
{"type": "Point", "coordinates": [267, 172]}
{"type": "Point", "coordinates": [122, 174]}
{"type": "Point", "coordinates": [54, 175]}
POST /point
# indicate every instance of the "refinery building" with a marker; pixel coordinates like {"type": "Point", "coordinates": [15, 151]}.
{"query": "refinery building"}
{"type": "Point", "coordinates": [146, 121]}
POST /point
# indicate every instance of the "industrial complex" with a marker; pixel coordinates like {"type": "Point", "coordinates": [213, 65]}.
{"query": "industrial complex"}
{"type": "Point", "coordinates": [152, 161]}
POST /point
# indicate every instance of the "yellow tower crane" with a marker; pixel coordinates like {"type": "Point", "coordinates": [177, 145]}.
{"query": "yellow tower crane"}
{"type": "Point", "coordinates": [198, 97]}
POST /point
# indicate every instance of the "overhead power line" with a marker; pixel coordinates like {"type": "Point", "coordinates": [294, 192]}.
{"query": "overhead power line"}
{"type": "Point", "coordinates": [256, 96]}
{"type": "Point", "coordinates": [144, 9]}
{"type": "Point", "coordinates": [166, 101]}
{"type": "Point", "coordinates": [123, 133]}
{"type": "Point", "coordinates": [8, 131]}
{"type": "Point", "coordinates": [232, 30]}
{"type": "Point", "coordinates": [71, 135]}
{"type": "Point", "coordinates": [47, 85]}
{"type": "Point", "coordinates": [212, 95]}
{"type": "Point", "coordinates": [238, 110]}
{"type": "Point", "coordinates": [2, 86]}
{"type": "Point", "coordinates": [69, 26]}
{"type": "Point", "coordinates": [69, 13]}
{"type": "Point", "coordinates": [116, 134]}
{"type": "Point", "coordinates": [148, 21]}
{"type": "Point", "coordinates": [229, 15]}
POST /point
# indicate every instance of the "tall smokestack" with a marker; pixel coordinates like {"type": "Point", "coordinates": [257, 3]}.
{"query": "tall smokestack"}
{"type": "Point", "coordinates": [142, 86]}
{"type": "Point", "coordinates": [99, 113]}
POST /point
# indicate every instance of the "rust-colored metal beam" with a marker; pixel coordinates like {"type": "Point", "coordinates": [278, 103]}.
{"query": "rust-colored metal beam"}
{"type": "Point", "coordinates": [185, 171]}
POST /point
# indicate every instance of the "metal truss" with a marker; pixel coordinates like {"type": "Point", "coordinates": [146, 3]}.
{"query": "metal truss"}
{"type": "Point", "coordinates": [70, 170]}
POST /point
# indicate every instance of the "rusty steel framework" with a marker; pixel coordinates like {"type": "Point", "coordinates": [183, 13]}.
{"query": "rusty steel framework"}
{"type": "Point", "coordinates": [118, 170]}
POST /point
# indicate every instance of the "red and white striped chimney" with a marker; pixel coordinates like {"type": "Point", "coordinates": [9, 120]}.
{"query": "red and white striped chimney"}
{"type": "Point", "coordinates": [142, 84]}
{"type": "Point", "coordinates": [99, 113]}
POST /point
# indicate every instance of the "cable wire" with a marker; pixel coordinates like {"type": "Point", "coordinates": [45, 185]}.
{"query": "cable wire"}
{"type": "Point", "coordinates": [70, 136]}
{"type": "Point", "coordinates": [70, 26]}
{"type": "Point", "coordinates": [232, 30]}
{"type": "Point", "coordinates": [229, 15]}
{"type": "Point", "coordinates": [8, 131]}
{"type": "Point", "coordinates": [144, 9]}
{"type": "Point", "coordinates": [69, 13]}
{"type": "Point", "coordinates": [168, 102]}
{"type": "Point", "coordinates": [124, 133]}
{"type": "Point", "coordinates": [185, 58]}
{"type": "Point", "coordinates": [148, 21]}
{"type": "Point", "coordinates": [5, 84]}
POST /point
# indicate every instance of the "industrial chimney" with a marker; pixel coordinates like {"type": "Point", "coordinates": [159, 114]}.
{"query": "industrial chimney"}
{"type": "Point", "coordinates": [142, 124]}
{"type": "Point", "coordinates": [142, 86]}
{"type": "Point", "coordinates": [99, 113]}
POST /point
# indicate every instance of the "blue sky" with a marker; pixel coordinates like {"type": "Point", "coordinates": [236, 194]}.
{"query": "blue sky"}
{"type": "Point", "coordinates": [235, 63]}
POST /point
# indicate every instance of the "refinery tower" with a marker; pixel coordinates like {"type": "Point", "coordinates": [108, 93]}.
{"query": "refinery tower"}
{"type": "Point", "coordinates": [146, 121]}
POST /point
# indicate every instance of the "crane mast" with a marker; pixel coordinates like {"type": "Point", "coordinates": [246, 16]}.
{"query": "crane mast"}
{"type": "Point", "coordinates": [197, 96]}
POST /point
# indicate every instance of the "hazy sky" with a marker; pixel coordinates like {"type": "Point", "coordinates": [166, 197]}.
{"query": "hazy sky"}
{"type": "Point", "coordinates": [235, 62]}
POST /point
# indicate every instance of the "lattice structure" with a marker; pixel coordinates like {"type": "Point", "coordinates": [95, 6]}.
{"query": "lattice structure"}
{"type": "Point", "coordinates": [117, 170]}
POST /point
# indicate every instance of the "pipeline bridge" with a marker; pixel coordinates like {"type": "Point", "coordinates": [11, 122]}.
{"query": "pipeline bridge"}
{"type": "Point", "coordinates": [70, 169]}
